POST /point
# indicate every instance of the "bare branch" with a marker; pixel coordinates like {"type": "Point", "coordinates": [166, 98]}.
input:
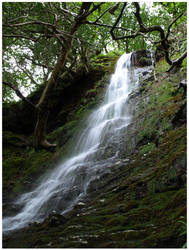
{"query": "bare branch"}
{"type": "Point", "coordinates": [114, 8]}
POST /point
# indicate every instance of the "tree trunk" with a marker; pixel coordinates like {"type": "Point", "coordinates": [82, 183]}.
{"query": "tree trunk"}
{"type": "Point", "coordinates": [42, 106]}
{"type": "Point", "coordinates": [40, 130]}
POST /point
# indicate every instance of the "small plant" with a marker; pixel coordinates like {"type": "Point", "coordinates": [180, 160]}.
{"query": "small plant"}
{"type": "Point", "coordinates": [145, 149]}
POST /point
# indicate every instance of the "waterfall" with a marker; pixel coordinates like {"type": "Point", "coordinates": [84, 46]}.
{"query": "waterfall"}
{"type": "Point", "coordinates": [96, 151]}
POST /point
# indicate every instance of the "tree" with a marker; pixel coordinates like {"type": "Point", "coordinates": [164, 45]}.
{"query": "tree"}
{"type": "Point", "coordinates": [142, 29]}
{"type": "Point", "coordinates": [42, 106]}
{"type": "Point", "coordinates": [43, 40]}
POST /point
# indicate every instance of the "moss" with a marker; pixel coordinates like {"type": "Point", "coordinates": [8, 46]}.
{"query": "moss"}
{"type": "Point", "coordinates": [161, 66]}
{"type": "Point", "coordinates": [105, 62]}
{"type": "Point", "coordinates": [10, 138]}
{"type": "Point", "coordinates": [147, 148]}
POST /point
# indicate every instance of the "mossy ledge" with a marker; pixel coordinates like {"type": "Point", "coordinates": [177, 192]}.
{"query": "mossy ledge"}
{"type": "Point", "coordinates": [142, 202]}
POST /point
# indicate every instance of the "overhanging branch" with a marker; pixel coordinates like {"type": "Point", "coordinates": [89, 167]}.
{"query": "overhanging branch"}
{"type": "Point", "coordinates": [20, 36]}
{"type": "Point", "coordinates": [117, 21]}
{"type": "Point", "coordinates": [19, 94]}
{"type": "Point", "coordinates": [143, 29]}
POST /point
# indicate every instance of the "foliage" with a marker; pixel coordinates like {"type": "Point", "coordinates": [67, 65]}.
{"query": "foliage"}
{"type": "Point", "coordinates": [145, 149]}
{"type": "Point", "coordinates": [30, 49]}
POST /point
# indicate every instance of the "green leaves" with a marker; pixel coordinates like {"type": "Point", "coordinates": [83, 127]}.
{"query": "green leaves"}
{"type": "Point", "coordinates": [34, 34]}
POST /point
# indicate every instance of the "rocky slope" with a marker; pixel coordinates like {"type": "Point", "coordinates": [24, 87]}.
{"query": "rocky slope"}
{"type": "Point", "coordinates": [142, 201]}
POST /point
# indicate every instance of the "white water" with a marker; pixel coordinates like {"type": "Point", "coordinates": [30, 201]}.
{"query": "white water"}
{"type": "Point", "coordinates": [97, 149]}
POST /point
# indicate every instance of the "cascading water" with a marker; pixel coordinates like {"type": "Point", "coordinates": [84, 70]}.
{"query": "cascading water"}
{"type": "Point", "coordinates": [96, 151]}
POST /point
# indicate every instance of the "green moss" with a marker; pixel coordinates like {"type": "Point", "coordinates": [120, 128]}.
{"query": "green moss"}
{"type": "Point", "coordinates": [161, 66]}
{"type": "Point", "coordinates": [105, 62]}
{"type": "Point", "coordinates": [145, 149]}
{"type": "Point", "coordinates": [21, 164]}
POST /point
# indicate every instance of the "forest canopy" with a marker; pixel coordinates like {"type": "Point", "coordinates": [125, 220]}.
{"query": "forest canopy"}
{"type": "Point", "coordinates": [42, 40]}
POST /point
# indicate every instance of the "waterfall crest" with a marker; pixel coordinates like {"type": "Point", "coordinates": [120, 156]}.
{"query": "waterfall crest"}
{"type": "Point", "coordinates": [95, 152]}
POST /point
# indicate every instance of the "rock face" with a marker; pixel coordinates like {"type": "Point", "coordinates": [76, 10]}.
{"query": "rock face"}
{"type": "Point", "coordinates": [141, 203]}
{"type": "Point", "coordinates": [142, 58]}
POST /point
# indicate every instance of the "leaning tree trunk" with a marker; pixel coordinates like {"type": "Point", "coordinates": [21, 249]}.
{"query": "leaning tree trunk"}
{"type": "Point", "coordinates": [42, 106]}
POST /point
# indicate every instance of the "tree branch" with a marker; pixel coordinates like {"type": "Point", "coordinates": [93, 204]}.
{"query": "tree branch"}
{"type": "Point", "coordinates": [21, 36]}
{"type": "Point", "coordinates": [19, 94]}
{"type": "Point", "coordinates": [143, 29]}
{"type": "Point", "coordinates": [30, 23]}
{"type": "Point", "coordinates": [104, 13]}
{"type": "Point", "coordinates": [16, 18]}
{"type": "Point", "coordinates": [38, 64]}
{"type": "Point", "coordinates": [67, 12]}
{"type": "Point", "coordinates": [117, 21]}
{"type": "Point", "coordinates": [178, 61]}
{"type": "Point", "coordinates": [171, 24]}
{"type": "Point", "coordinates": [105, 25]}
{"type": "Point", "coordinates": [85, 15]}
{"type": "Point", "coordinates": [137, 15]}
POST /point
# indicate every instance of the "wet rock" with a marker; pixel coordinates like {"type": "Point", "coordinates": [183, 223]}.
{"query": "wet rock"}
{"type": "Point", "coordinates": [145, 73]}
{"type": "Point", "coordinates": [102, 200]}
{"type": "Point", "coordinates": [49, 244]}
{"type": "Point", "coordinates": [126, 160]}
{"type": "Point", "coordinates": [142, 58]}
{"type": "Point", "coordinates": [79, 205]}
{"type": "Point", "coordinates": [117, 163]}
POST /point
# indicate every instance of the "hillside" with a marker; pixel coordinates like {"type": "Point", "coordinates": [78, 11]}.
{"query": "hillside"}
{"type": "Point", "coordinates": [141, 201]}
